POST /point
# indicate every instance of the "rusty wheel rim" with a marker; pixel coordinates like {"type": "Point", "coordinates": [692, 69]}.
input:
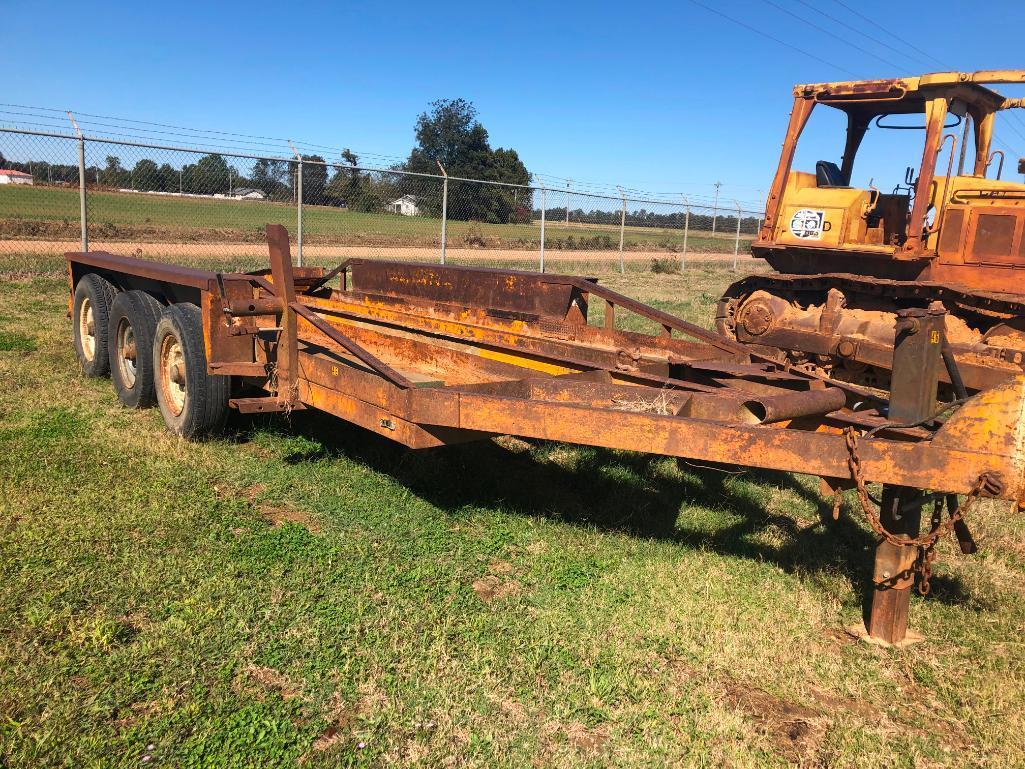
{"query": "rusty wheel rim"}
{"type": "Point", "coordinates": [87, 329]}
{"type": "Point", "coordinates": [172, 374]}
{"type": "Point", "coordinates": [126, 353]}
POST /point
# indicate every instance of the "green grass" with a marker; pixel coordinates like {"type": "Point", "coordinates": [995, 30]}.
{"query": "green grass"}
{"type": "Point", "coordinates": [52, 213]}
{"type": "Point", "coordinates": [301, 590]}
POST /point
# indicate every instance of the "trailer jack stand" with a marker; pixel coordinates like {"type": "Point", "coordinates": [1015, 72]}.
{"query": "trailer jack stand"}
{"type": "Point", "coordinates": [893, 575]}
{"type": "Point", "coordinates": [916, 360]}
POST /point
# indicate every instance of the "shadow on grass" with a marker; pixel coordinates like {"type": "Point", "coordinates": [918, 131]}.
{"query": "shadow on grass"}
{"type": "Point", "coordinates": [722, 510]}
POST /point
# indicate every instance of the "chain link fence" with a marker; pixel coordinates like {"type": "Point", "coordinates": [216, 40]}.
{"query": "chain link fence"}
{"type": "Point", "coordinates": [62, 192]}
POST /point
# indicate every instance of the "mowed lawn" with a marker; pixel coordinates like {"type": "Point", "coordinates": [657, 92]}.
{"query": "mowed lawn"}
{"type": "Point", "coordinates": [301, 592]}
{"type": "Point", "coordinates": [158, 218]}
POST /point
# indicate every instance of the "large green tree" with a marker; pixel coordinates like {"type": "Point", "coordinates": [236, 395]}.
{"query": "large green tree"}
{"type": "Point", "coordinates": [314, 180]}
{"type": "Point", "coordinates": [451, 134]}
{"type": "Point", "coordinates": [351, 187]}
{"type": "Point", "coordinates": [273, 177]}
{"type": "Point", "coordinates": [146, 175]}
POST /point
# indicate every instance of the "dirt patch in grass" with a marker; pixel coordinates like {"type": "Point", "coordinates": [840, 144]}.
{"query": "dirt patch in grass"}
{"type": "Point", "coordinates": [275, 514]}
{"type": "Point", "coordinates": [491, 588]}
{"type": "Point", "coordinates": [270, 680]}
{"type": "Point", "coordinates": [795, 731]}
{"type": "Point", "coordinates": [587, 741]}
{"type": "Point", "coordinates": [498, 583]}
{"type": "Point", "coordinates": [342, 717]}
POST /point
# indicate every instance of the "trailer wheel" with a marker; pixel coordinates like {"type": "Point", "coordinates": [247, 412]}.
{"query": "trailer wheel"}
{"type": "Point", "coordinates": [91, 309]}
{"type": "Point", "coordinates": [193, 403]}
{"type": "Point", "coordinates": [133, 321]}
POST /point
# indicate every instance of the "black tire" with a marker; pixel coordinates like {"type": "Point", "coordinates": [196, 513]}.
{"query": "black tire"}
{"type": "Point", "coordinates": [193, 403]}
{"type": "Point", "coordinates": [132, 324]}
{"type": "Point", "coordinates": [89, 320]}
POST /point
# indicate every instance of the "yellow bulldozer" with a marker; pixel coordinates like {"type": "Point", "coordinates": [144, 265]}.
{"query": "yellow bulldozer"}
{"type": "Point", "coordinates": [849, 258]}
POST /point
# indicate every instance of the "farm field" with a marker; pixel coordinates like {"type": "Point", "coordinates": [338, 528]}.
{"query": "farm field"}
{"type": "Point", "coordinates": [51, 213]}
{"type": "Point", "coordinates": [300, 592]}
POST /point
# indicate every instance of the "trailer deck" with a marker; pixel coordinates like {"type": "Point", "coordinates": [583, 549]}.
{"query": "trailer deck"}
{"type": "Point", "coordinates": [429, 355]}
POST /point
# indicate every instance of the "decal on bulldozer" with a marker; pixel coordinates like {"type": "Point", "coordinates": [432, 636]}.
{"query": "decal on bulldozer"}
{"type": "Point", "coordinates": [807, 224]}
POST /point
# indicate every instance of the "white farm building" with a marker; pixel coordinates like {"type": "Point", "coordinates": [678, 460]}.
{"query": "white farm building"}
{"type": "Point", "coordinates": [406, 205]}
{"type": "Point", "coordinates": [14, 177]}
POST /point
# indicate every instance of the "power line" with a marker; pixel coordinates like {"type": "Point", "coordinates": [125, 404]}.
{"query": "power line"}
{"type": "Point", "coordinates": [1013, 127]}
{"type": "Point", "coordinates": [1003, 142]}
{"type": "Point", "coordinates": [857, 31]}
{"type": "Point", "coordinates": [194, 134]}
{"type": "Point", "coordinates": [147, 122]}
{"type": "Point", "coordinates": [896, 37]}
{"type": "Point", "coordinates": [772, 38]}
{"type": "Point", "coordinates": [830, 32]}
{"type": "Point", "coordinates": [1017, 119]}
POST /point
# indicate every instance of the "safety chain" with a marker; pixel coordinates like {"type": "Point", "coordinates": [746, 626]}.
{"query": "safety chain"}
{"type": "Point", "coordinates": [925, 542]}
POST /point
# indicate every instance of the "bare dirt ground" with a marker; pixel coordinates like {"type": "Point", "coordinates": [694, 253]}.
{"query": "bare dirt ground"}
{"type": "Point", "coordinates": [213, 250]}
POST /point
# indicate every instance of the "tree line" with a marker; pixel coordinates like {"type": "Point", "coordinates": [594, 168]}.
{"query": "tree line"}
{"type": "Point", "coordinates": [676, 219]}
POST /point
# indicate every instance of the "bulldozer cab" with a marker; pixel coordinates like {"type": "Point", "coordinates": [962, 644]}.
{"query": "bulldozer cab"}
{"type": "Point", "coordinates": [942, 211]}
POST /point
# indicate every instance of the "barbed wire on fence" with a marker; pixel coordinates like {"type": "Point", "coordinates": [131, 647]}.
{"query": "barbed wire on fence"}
{"type": "Point", "coordinates": [167, 201]}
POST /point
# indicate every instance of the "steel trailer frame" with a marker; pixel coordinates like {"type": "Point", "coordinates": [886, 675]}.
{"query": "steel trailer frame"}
{"type": "Point", "coordinates": [429, 355]}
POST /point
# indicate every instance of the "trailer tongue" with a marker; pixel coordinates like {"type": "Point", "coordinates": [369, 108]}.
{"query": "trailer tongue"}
{"type": "Point", "coordinates": [428, 355]}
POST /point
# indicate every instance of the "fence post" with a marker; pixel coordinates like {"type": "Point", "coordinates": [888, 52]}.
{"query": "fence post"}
{"type": "Point", "coordinates": [543, 205]}
{"type": "Point", "coordinates": [82, 208]}
{"type": "Point", "coordinates": [569, 182]}
{"type": "Point", "coordinates": [736, 244]}
{"type": "Point", "coordinates": [686, 231]}
{"type": "Point", "coordinates": [622, 231]}
{"type": "Point", "coordinates": [715, 206]}
{"type": "Point", "coordinates": [298, 205]}
{"type": "Point", "coordinates": [444, 208]}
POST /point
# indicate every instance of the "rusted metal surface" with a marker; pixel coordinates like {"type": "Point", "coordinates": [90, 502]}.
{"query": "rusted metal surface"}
{"type": "Point", "coordinates": [510, 293]}
{"type": "Point", "coordinates": [951, 235]}
{"type": "Point", "coordinates": [102, 261]}
{"type": "Point", "coordinates": [410, 357]}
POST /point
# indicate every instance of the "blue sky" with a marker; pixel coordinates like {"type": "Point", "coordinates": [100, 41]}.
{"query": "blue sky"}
{"type": "Point", "coordinates": [667, 97]}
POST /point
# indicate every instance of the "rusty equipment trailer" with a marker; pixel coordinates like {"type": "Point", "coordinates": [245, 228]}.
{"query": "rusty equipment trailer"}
{"type": "Point", "coordinates": [850, 258]}
{"type": "Point", "coordinates": [428, 356]}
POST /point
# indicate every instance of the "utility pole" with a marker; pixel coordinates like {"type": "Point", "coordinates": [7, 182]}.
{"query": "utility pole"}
{"type": "Point", "coordinates": [715, 206]}
{"type": "Point", "coordinates": [569, 183]}
{"type": "Point", "coordinates": [180, 193]}
{"type": "Point", "coordinates": [229, 181]}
